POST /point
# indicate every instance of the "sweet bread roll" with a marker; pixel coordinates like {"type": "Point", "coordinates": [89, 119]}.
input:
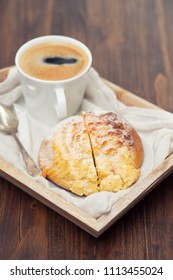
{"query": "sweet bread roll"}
{"type": "Point", "coordinates": [91, 153]}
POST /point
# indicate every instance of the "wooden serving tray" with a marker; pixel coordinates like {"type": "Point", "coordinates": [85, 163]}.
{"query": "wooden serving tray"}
{"type": "Point", "coordinates": [93, 226]}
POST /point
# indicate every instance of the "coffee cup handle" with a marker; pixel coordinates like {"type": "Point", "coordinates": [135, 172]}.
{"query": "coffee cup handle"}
{"type": "Point", "coordinates": [61, 107]}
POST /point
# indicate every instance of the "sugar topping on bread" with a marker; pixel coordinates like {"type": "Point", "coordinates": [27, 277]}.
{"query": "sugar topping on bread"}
{"type": "Point", "coordinates": [67, 160]}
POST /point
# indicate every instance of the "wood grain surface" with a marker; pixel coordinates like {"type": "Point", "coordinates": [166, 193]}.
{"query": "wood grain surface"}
{"type": "Point", "coordinates": [131, 43]}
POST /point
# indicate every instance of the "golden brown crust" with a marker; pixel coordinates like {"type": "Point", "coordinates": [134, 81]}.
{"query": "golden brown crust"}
{"type": "Point", "coordinates": [117, 150]}
{"type": "Point", "coordinates": [137, 147]}
{"type": "Point", "coordinates": [95, 152]}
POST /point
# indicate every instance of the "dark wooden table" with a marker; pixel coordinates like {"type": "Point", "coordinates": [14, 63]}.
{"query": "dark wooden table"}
{"type": "Point", "coordinates": [132, 46]}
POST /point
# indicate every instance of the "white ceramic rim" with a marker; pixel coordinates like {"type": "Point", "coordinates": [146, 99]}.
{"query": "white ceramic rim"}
{"type": "Point", "coordinates": [52, 38]}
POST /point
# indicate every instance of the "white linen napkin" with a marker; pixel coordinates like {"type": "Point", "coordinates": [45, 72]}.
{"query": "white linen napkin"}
{"type": "Point", "coordinates": [155, 128]}
{"type": "Point", "coordinates": [10, 89]}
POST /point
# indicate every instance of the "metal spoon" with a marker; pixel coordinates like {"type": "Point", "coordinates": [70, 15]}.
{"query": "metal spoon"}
{"type": "Point", "coordinates": [8, 125]}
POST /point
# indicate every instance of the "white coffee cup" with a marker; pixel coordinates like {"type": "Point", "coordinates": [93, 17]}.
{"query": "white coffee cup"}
{"type": "Point", "coordinates": [47, 100]}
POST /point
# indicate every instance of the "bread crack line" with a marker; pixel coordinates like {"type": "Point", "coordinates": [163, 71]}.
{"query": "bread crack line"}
{"type": "Point", "coordinates": [89, 137]}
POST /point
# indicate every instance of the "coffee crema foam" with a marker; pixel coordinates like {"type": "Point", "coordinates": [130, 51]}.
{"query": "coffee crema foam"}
{"type": "Point", "coordinates": [53, 61]}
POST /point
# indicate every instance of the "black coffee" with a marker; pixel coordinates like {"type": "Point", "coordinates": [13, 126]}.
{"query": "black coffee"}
{"type": "Point", "coordinates": [54, 61]}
